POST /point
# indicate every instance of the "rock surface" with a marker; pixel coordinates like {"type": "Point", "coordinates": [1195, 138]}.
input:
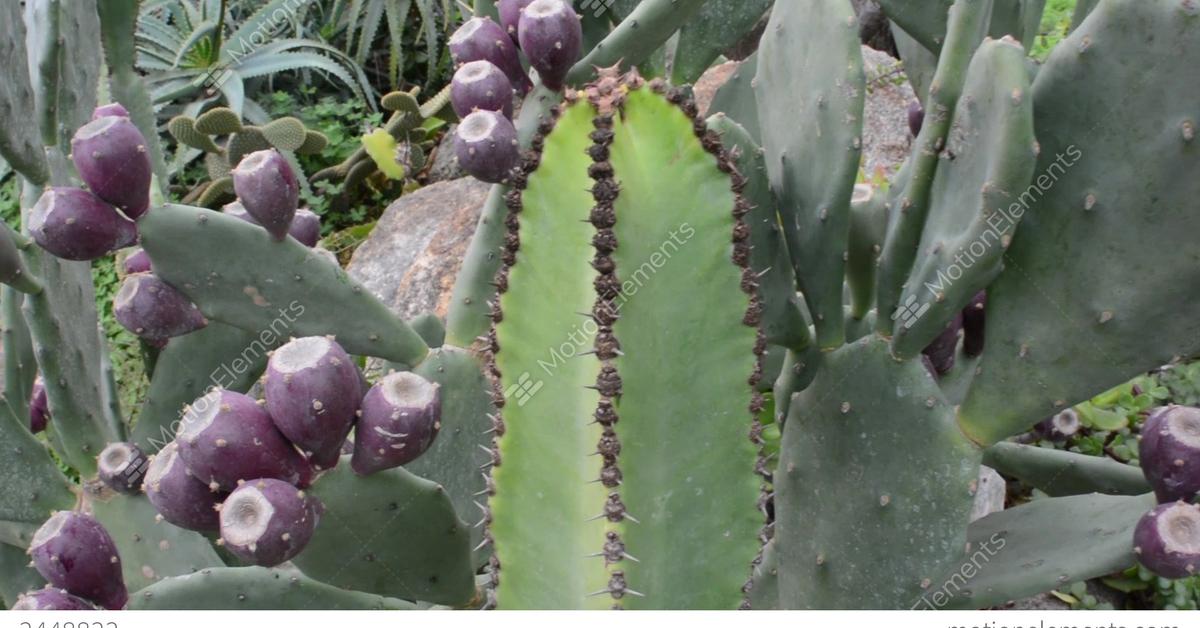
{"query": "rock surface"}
{"type": "Point", "coordinates": [414, 253]}
{"type": "Point", "coordinates": [886, 139]}
{"type": "Point", "coordinates": [989, 496]}
{"type": "Point", "coordinates": [707, 85]}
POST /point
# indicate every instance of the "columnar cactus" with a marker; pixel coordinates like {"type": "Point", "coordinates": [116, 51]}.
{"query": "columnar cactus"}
{"type": "Point", "coordinates": [588, 429]}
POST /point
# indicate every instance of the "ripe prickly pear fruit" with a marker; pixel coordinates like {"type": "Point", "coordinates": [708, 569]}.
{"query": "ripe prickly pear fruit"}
{"type": "Point", "coordinates": [127, 233]}
{"type": "Point", "coordinates": [313, 393]}
{"type": "Point", "coordinates": [486, 146]}
{"type": "Point", "coordinates": [111, 157]}
{"type": "Point", "coordinates": [267, 188]}
{"type": "Point", "coordinates": [122, 467]}
{"type": "Point", "coordinates": [267, 522]}
{"type": "Point", "coordinates": [137, 262]}
{"type": "Point", "coordinates": [916, 117]}
{"type": "Point", "coordinates": [401, 415]}
{"type": "Point", "coordinates": [973, 322]}
{"type": "Point", "coordinates": [306, 227]}
{"type": "Point", "coordinates": [39, 406]}
{"type": "Point", "coordinates": [1061, 426]}
{"type": "Point", "coordinates": [51, 599]}
{"type": "Point", "coordinates": [481, 86]}
{"type": "Point", "coordinates": [1167, 540]}
{"type": "Point", "coordinates": [941, 351]}
{"type": "Point", "coordinates": [481, 39]}
{"type": "Point", "coordinates": [552, 38]}
{"type": "Point", "coordinates": [227, 437]}
{"type": "Point", "coordinates": [177, 495]}
{"type": "Point", "coordinates": [73, 551]}
{"type": "Point", "coordinates": [510, 16]}
{"type": "Point", "coordinates": [237, 210]}
{"type": "Point", "coordinates": [111, 109]}
{"type": "Point", "coordinates": [75, 224]}
{"type": "Point", "coordinates": [150, 308]}
{"type": "Point", "coordinates": [1170, 453]}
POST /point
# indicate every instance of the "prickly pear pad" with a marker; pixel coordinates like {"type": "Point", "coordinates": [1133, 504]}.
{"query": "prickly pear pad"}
{"type": "Point", "coordinates": [874, 485]}
{"type": "Point", "coordinates": [260, 284]}
{"type": "Point", "coordinates": [1102, 281]}
{"type": "Point", "coordinates": [810, 58]}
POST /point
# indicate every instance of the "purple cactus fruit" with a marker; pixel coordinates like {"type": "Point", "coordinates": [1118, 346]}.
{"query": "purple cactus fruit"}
{"type": "Point", "coordinates": [313, 392]}
{"type": "Point", "coordinates": [177, 495]}
{"type": "Point", "coordinates": [150, 308]}
{"type": "Point", "coordinates": [481, 86]}
{"type": "Point", "coordinates": [75, 224]}
{"type": "Point", "coordinates": [1061, 426]}
{"type": "Point", "coordinates": [122, 467]}
{"type": "Point", "coordinates": [267, 187]}
{"type": "Point", "coordinates": [111, 157]}
{"type": "Point", "coordinates": [51, 599]}
{"type": "Point", "coordinates": [916, 117]}
{"type": "Point", "coordinates": [39, 406]}
{"type": "Point", "coordinates": [111, 109]}
{"type": "Point", "coordinates": [481, 39]}
{"type": "Point", "coordinates": [237, 210]}
{"type": "Point", "coordinates": [137, 262]}
{"type": "Point", "coordinates": [73, 551]}
{"type": "Point", "coordinates": [401, 415]}
{"type": "Point", "coordinates": [1170, 453]}
{"type": "Point", "coordinates": [227, 437]}
{"type": "Point", "coordinates": [510, 16]}
{"type": "Point", "coordinates": [552, 38]}
{"type": "Point", "coordinates": [486, 146]}
{"type": "Point", "coordinates": [973, 323]}
{"type": "Point", "coordinates": [266, 522]}
{"type": "Point", "coordinates": [941, 351]}
{"type": "Point", "coordinates": [1167, 540]}
{"type": "Point", "coordinates": [306, 227]}
{"type": "Point", "coordinates": [127, 233]}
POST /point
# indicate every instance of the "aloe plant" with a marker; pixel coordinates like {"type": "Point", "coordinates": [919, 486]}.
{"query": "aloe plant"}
{"type": "Point", "coordinates": [186, 47]}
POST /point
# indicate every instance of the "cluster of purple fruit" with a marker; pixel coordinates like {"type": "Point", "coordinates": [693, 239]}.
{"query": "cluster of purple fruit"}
{"type": "Point", "coordinates": [111, 157]}
{"type": "Point", "coordinates": [488, 56]}
{"type": "Point", "coordinates": [268, 195]}
{"type": "Point", "coordinates": [1167, 539]}
{"type": "Point", "coordinates": [240, 466]}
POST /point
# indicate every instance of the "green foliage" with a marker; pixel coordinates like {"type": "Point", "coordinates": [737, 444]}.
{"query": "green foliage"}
{"type": "Point", "coordinates": [188, 46]}
{"type": "Point", "coordinates": [1056, 23]}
